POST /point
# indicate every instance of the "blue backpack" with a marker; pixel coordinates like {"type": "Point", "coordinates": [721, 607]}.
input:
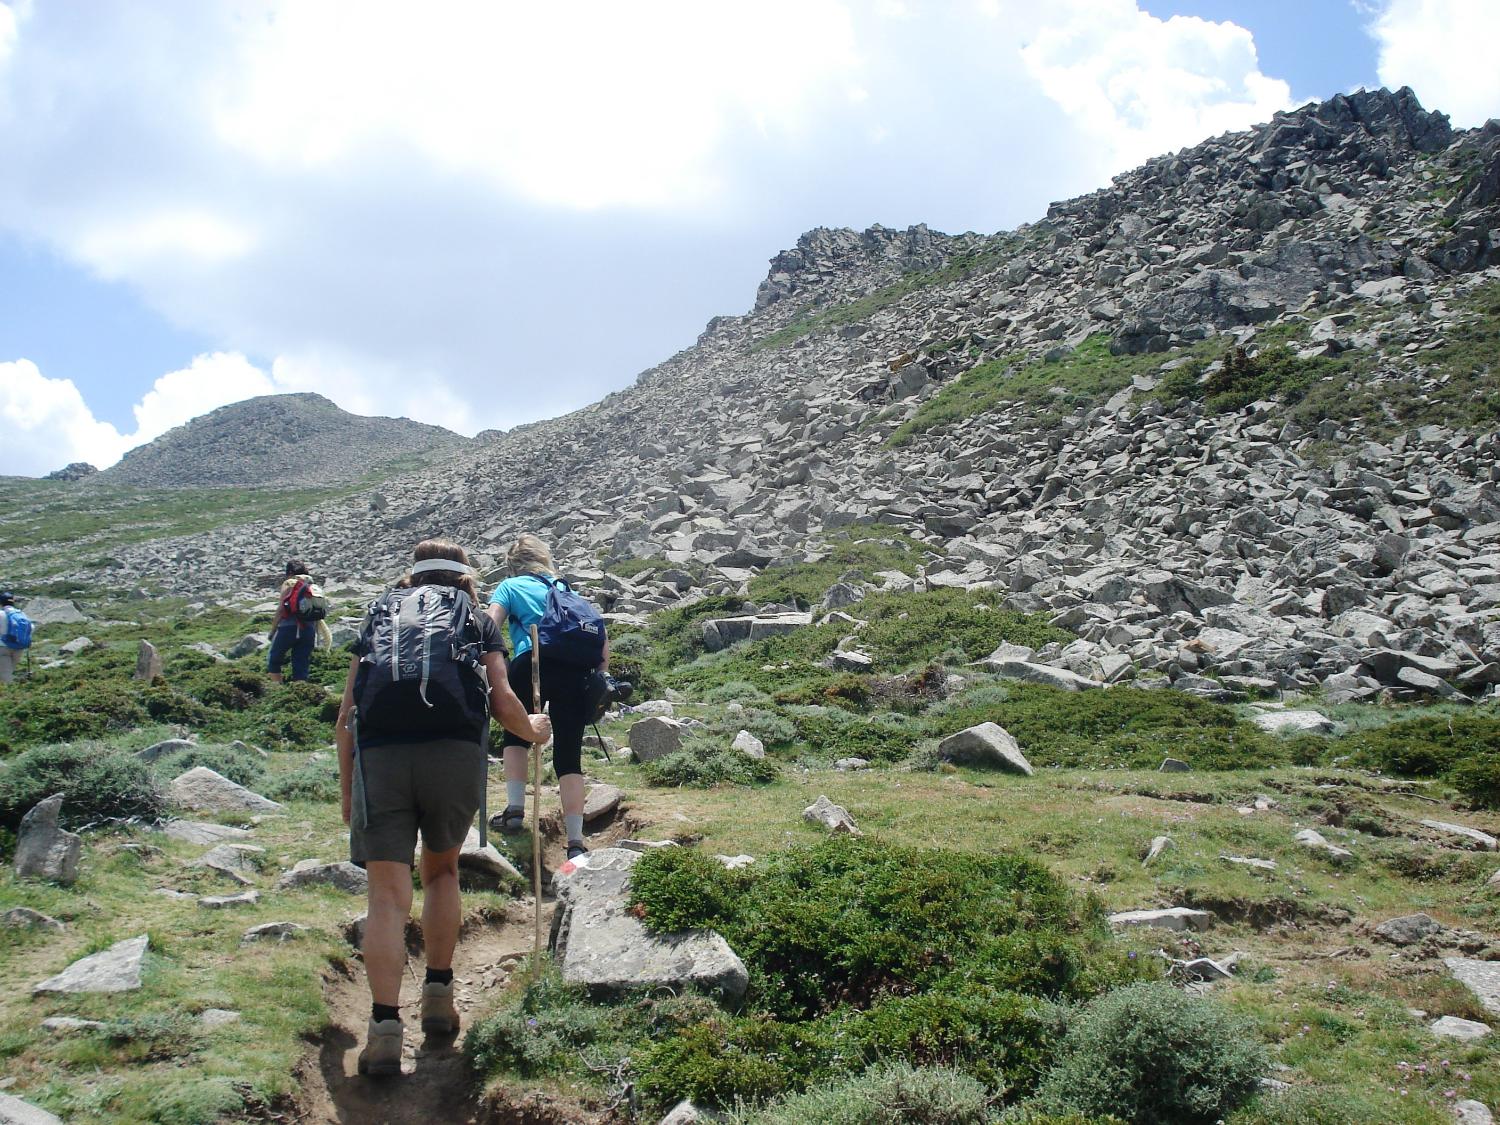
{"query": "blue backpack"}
{"type": "Point", "coordinates": [571, 630]}
{"type": "Point", "coordinates": [17, 629]}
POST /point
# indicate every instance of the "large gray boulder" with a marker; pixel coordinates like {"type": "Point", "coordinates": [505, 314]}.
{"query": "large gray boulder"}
{"type": "Point", "coordinates": [721, 632]}
{"type": "Point", "coordinates": [1178, 918]}
{"type": "Point", "coordinates": [1294, 722]}
{"type": "Point", "coordinates": [342, 876]}
{"type": "Point", "coordinates": [163, 748]}
{"type": "Point", "coordinates": [986, 745]}
{"type": "Point", "coordinates": [53, 611]}
{"type": "Point", "coordinates": [44, 850]}
{"type": "Point", "coordinates": [655, 738]}
{"type": "Point", "coordinates": [14, 1111]}
{"type": "Point", "coordinates": [201, 833]}
{"type": "Point", "coordinates": [600, 944]}
{"type": "Point", "coordinates": [203, 789]}
{"type": "Point", "coordinates": [1030, 673]}
{"type": "Point", "coordinates": [116, 969]}
{"type": "Point", "coordinates": [833, 817]}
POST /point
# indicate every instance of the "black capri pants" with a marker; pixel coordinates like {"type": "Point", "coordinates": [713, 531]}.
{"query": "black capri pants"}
{"type": "Point", "coordinates": [563, 695]}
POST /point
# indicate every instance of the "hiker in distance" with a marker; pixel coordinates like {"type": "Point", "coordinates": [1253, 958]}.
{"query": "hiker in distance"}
{"type": "Point", "coordinates": [413, 734]}
{"type": "Point", "coordinates": [15, 638]}
{"type": "Point", "coordinates": [520, 602]}
{"type": "Point", "coordinates": [298, 626]}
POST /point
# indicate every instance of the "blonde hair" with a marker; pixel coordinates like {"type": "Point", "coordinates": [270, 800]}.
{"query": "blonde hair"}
{"type": "Point", "coordinates": [441, 549]}
{"type": "Point", "coordinates": [529, 555]}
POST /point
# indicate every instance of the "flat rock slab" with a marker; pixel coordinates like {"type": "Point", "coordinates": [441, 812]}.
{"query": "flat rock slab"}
{"type": "Point", "coordinates": [53, 611]}
{"type": "Point", "coordinates": [202, 833]}
{"type": "Point", "coordinates": [1295, 722]}
{"type": "Point", "coordinates": [201, 788]}
{"type": "Point", "coordinates": [25, 918]}
{"type": "Point", "coordinates": [986, 745]}
{"type": "Point", "coordinates": [222, 902]}
{"type": "Point", "coordinates": [1250, 861]}
{"type": "Point", "coordinates": [835, 818]}
{"type": "Point", "coordinates": [601, 800]}
{"type": "Point", "coordinates": [162, 749]}
{"type": "Point", "coordinates": [310, 873]}
{"type": "Point", "coordinates": [233, 859]}
{"type": "Point", "coordinates": [655, 738]}
{"type": "Point", "coordinates": [1452, 1027]}
{"type": "Point", "coordinates": [217, 1017]}
{"type": "Point", "coordinates": [1029, 673]}
{"type": "Point", "coordinates": [273, 931]}
{"type": "Point", "coordinates": [14, 1111]}
{"type": "Point", "coordinates": [1178, 918]}
{"type": "Point", "coordinates": [1482, 978]}
{"type": "Point", "coordinates": [1311, 838]}
{"type": "Point", "coordinates": [601, 945]}
{"type": "Point", "coordinates": [1470, 1112]}
{"type": "Point", "coordinates": [485, 859]}
{"type": "Point", "coordinates": [116, 969]}
{"type": "Point", "coordinates": [1408, 929]}
{"type": "Point", "coordinates": [43, 849]}
{"type": "Point", "coordinates": [1473, 835]}
{"type": "Point", "coordinates": [71, 1025]}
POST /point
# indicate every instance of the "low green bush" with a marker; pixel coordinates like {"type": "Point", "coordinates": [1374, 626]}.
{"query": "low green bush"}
{"type": "Point", "coordinates": [894, 1094]}
{"type": "Point", "coordinates": [97, 783]}
{"type": "Point", "coordinates": [50, 709]}
{"type": "Point", "coordinates": [724, 1060]}
{"type": "Point", "coordinates": [237, 765]}
{"type": "Point", "coordinates": [1154, 1056]}
{"type": "Point", "coordinates": [1463, 750]}
{"type": "Point", "coordinates": [313, 781]}
{"type": "Point", "coordinates": [704, 762]}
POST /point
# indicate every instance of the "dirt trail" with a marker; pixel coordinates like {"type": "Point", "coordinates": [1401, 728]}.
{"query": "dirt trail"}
{"type": "Point", "coordinates": [436, 1086]}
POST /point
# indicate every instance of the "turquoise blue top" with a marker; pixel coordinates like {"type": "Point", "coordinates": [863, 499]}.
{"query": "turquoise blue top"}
{"type": "Point", "coordinates": [525, 600]}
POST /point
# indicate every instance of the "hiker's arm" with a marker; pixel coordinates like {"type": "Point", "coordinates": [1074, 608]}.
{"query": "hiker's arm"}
{"type": "Point", "coordinates": [497, 614]}
{"type": "Point", "coordinates": [343, 738]}
{"type": "Point", "coordinates": [509, 711]}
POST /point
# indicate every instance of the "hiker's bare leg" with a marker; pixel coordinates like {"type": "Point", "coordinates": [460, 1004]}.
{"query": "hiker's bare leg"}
{"type": "Point", "coordinates": [442, 910]}
{"type": "Point", "coordinates": [517, 759]}
{"type": "Point", "coordinates": [572, 787]}
{"type": "Point", "coordinates": [385, 929]}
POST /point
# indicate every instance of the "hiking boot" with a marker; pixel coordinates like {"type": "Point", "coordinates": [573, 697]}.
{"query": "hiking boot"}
{"type": "Point", "coordinates": [511, 821]}
{"type": "Point", "coordinates": [576, 849]}
{"type": "Point", "coordinates": [439, 1012]}
{"type": "Point", "coordinates": [382, 1053]}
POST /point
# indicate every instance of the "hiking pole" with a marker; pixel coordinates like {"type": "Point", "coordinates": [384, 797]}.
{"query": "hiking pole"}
{"type": "Point", "coordinates": [536, 803]}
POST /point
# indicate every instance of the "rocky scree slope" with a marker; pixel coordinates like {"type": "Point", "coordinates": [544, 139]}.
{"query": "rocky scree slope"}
{"type": "Point", "coordinates": [1061, 410]}
{"type": "Point", "coordinates": [292, 440]}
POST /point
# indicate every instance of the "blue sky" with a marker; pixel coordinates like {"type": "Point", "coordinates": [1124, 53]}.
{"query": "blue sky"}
{"type": "Point", "coordinates": [482, 214]}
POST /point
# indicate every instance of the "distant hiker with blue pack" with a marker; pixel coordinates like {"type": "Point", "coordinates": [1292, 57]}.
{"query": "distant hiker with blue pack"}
{"type": "Point", "coordinates": [427, 676]}
{"type": "Point", "coordinates": [299, 623]}
{"type": "Point", "coordinates": [16, 638]}
{"type": "Point", "coordinates": [571, 634]}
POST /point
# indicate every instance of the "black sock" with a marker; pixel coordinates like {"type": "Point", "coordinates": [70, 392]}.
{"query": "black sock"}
{"type": "Point", "coordinates": [380, 1012]}
{"type": "Point", "coordinates": [439, 976]}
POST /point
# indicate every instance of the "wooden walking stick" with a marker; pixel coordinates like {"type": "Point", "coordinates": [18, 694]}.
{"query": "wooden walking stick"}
{"type": "Point", "coordinates": [536, 803]}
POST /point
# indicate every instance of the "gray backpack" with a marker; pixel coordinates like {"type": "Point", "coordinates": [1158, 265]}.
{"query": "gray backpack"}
{"type": "Point", "coordinates": [420, 674]}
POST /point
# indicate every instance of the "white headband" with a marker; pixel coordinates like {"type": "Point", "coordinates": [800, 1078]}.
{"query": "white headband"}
{"type": "Point", "coordinates": [441, 564]}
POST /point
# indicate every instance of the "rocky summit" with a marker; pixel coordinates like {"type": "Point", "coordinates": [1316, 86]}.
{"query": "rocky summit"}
{"type": "Point", "coordinates": [1233, 415]}
{"type": "Point", "coordinates": [296, 439]}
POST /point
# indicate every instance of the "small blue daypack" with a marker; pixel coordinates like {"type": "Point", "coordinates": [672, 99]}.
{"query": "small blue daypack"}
{"type": "Point", "coordinates": [571, 630]}
{"type": "Point", "coordinates": [17, 629]}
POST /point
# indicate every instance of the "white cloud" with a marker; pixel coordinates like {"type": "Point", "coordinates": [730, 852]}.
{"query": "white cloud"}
{"type": "Point", "coordinates": [8, 31]}
{"type": "Point", "coordinates": [479, 214]}
{"type": "Point", "coordinates": [1141, 86]}
{"type": "Point", "coordinates": [1438, 48]}
{"type": "Point", "coordinates": [49, 424]}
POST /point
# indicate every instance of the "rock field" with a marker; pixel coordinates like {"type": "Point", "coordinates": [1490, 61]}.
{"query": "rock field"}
{"type": "Point", "coordinates": [1358, 553]}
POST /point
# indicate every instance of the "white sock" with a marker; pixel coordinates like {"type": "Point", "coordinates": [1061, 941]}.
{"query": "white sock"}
{"type": "Point", "coordinates": [515, 793]}
{"type": "Point", "coordinates": [574, 821]}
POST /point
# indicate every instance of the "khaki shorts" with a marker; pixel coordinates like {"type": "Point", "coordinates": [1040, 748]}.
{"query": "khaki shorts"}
{"type": "Point", "coordinates": [431, 788]}
{"type": "Point", "coordinates": [10, 658]}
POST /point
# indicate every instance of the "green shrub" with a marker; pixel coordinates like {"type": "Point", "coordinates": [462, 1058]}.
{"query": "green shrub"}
{"type": "Point", "coordinates": [1464, 750]}
{"type": "Point", "coordinates": [1121, 728]}
{"type": "Point", "coordinates": [50, 709]}
{"type": "Point", "coordinates": [1152, 1055]}
{"type": "Point", "coordinates": [724, 1060]}
{"type": "Point", "coordinates": [864, 551]}
{"type": "Point", "coordinates": [237, 765]}
{"type": "Point", "coordinates": [737, 691]}
{"type": "Point", "coordinates": [1001, 1039]}
{"type": "Point", "coordinates": [830, 733]}
{"type": "Point", "coordinates": [97, 783]}
{"type": "Point", "coordinates": [314, 781]}
{"type": "Point", "coordinates": [704, 762]}
{"type": "Point", "coordinates": [896, 1094]}
{"type": "Point", "coordinates": [852, 921]}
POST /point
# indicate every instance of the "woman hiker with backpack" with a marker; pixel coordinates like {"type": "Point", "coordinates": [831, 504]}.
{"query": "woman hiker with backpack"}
{"type": "Point", "coordinates": [413, 744]}
{"type": "Point", "coordinates": [298, 624]}
{"type": "Point", "coordinates": [521, 601]}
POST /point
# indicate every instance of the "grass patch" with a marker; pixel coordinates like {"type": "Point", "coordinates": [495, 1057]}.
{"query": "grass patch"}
{"type": "Point", "coordinates": [859, 553]}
